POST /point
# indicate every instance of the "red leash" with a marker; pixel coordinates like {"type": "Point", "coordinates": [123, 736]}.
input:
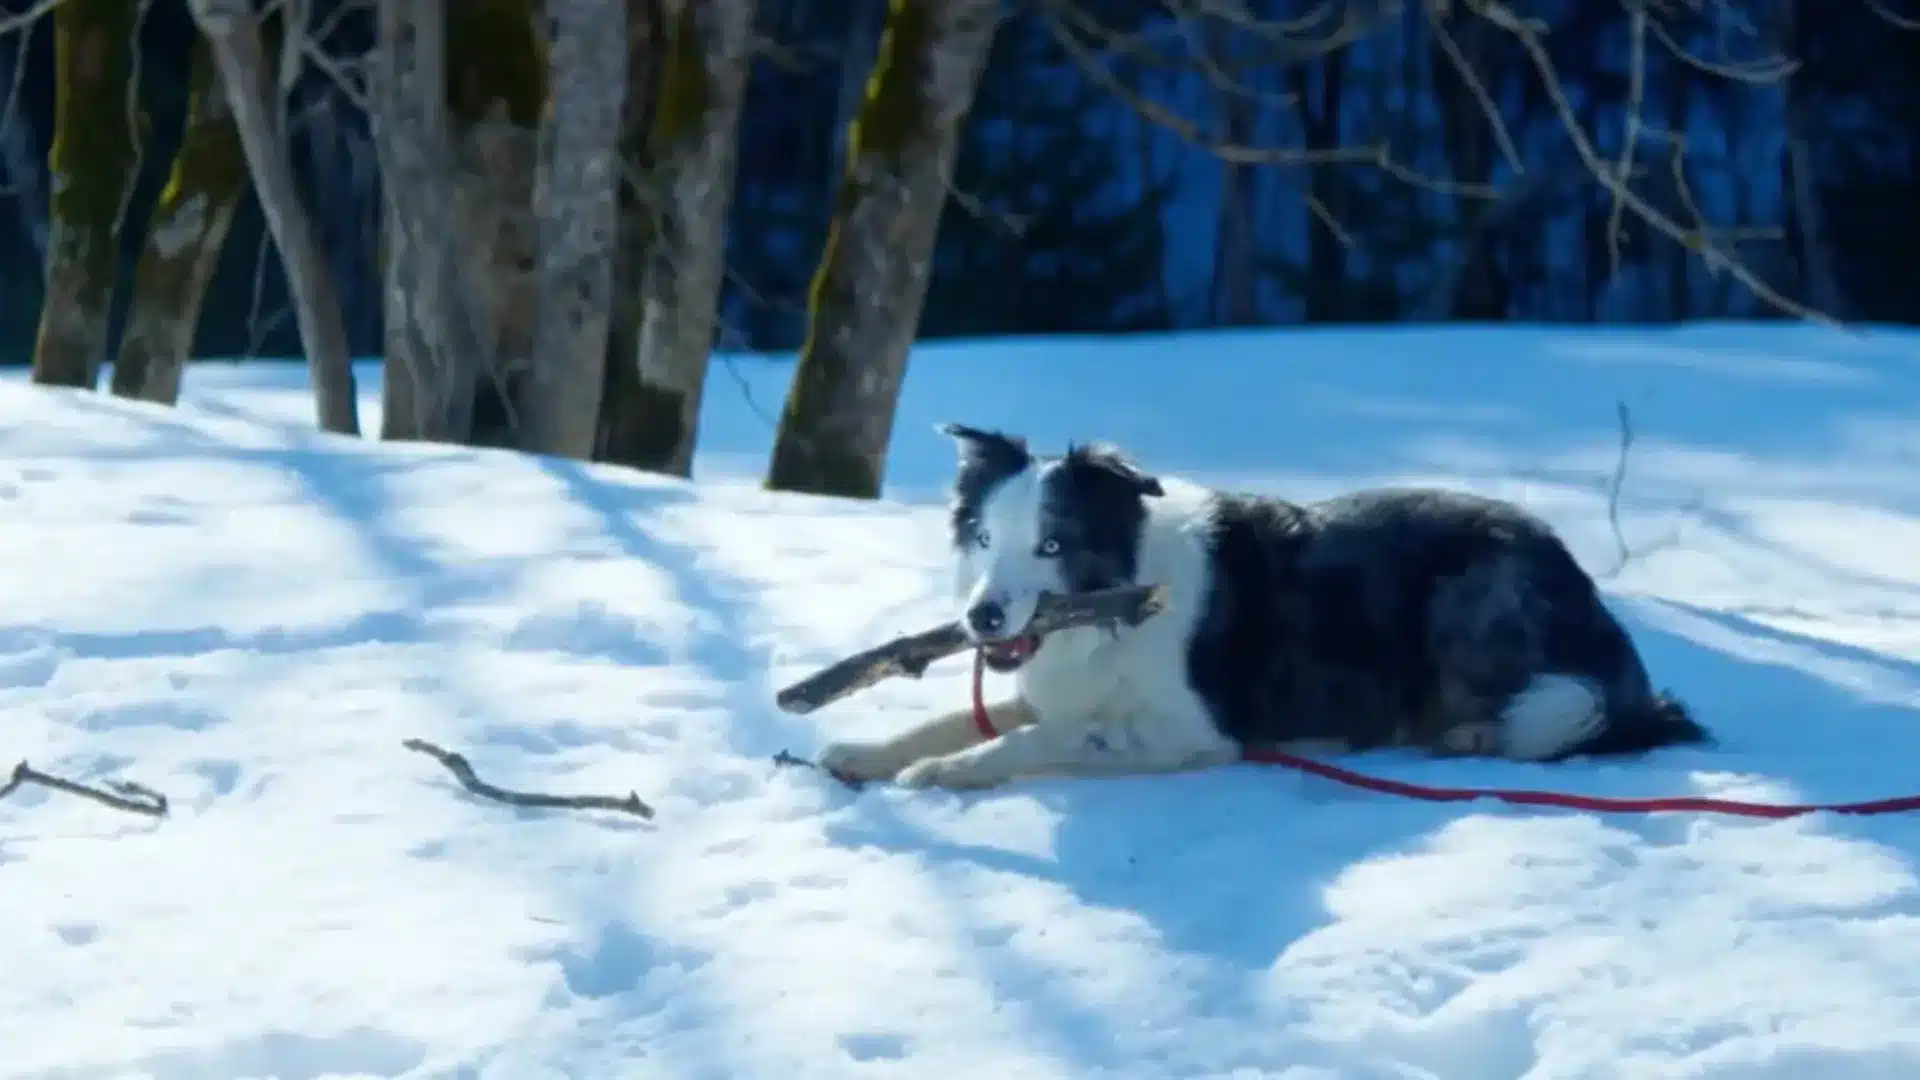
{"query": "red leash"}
{"type": "Point", "coordinates": [1598, 804]}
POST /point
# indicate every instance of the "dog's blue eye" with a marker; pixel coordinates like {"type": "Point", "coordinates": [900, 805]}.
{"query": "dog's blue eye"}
{"type": "Point", "coordinates": [982, 537]}
{"type": "Point", "coordinates": [1050, 546]}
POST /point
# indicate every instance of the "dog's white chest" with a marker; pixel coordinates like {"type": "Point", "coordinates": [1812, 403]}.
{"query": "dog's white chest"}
{"type": "Point", "coordinates": [1082, 684]}
{"type": "Point", "coordinates": [1123, 698]}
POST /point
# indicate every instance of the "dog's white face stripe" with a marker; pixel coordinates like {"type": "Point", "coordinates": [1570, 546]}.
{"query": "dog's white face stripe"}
{"type": "Point", "coordinates": [1004, 563]}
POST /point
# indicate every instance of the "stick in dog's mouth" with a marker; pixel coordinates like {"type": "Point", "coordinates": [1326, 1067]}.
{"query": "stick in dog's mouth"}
{"type": "Point", "coordinates": [1006, 656]}
{"type": "Point", "coordinates": [910, 655]}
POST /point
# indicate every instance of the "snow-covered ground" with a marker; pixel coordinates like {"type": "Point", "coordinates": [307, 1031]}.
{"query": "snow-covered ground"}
{"type": "Point", "coordinates": [222, 605]}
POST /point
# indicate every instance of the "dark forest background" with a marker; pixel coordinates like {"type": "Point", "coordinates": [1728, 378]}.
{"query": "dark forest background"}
{"type": "Point", "coordinates": [1144, 183]}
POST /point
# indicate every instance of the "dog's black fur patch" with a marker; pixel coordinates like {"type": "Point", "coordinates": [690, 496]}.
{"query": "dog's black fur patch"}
{"type": "Point", "coordinates": [987, 460]}
{"type": "Point", "coordinates": [1388, 617]}
{"type": "Point", "coordinates": [1093, 501]}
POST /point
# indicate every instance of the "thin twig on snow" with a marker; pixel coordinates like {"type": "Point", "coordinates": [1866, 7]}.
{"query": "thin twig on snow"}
{"type": "Point", "coordinates": [787, 759]}
{"type": "Point", "coordinates": [122, 795]}
{"type": "Point", "coordinates": [462, 770]}
{"type": "Point", "coordinates": [1624, 555]}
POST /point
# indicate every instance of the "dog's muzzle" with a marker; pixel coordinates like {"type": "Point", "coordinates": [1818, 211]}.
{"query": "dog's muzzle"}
{"type": "Point", "coordinates": [986, 623]}
{"type": "Point", "coordinates": [1008, 655]}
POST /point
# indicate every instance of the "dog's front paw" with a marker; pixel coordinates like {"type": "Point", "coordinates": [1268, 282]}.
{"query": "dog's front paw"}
{"type": "Point", "coordinates": [954, 772]}
{"type": "Point", "coordinates": [860, 761]}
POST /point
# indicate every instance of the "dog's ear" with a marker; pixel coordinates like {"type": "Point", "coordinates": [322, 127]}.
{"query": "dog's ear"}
{"type": "Point", "coordinates": [1142, 483]}
{"type": "Point", "coordinates": [981, 443]}
{"type": "Point", "coordinates": [1111, 460]}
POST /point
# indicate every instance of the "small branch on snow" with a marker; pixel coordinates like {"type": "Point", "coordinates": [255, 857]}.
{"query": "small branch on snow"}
{"type": "Point", "coordinates": [123, 795]}
{"type": "Point", "coordinates": [1624, 554]}
{"type": "Point", "coordinates": [1614, 486]}
{"type": "Point", "coordinates": [457, 764]}
{"type": "Point", "coordinates": [911, 654]}
{"type": "Point", "coordinates": [789, 760]}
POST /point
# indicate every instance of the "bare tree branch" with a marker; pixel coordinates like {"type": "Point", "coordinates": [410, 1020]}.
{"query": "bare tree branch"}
{"type": "Point", "coordinates": [1764, 72]}
{"type": "Point", "coordinates": [1475, 86]}
{"type": "Point", "coordinates": [233, 31]}
{"type": "Point", "coordinates": [1901, 22]}
{"type": "Point", "coordinates": [26, 19]}
{"type": "Point", "coordinates": [1063, 21]}
{"type": "Point", "coordinates": [338, 73]}
{"type": "Point", "coordinates": [1630, 138]}
{"type": "Point", "coordinates": [1286, 42]}
{"type": "Point", "coordinates": [1329, 27]}
{"type": "Point", "coordinates": [1529, 34]}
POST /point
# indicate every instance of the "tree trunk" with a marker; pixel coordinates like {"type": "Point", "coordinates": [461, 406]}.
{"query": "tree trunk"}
{"type": "Point", "coordinates": [183, 242]}
{"type": "Point", "coordinates": [1328, 296]}
{"type": "Point", "coordinates": [625, 420]}
{"type": "Point", "coordinates": [497, 87]}
{"type": "Point", "coordinates": [574, 200]}
{"type": "Point", "coordinates": [866, 22]}
{"type": "Point", "coordinates": [872, 278]}
{"type": "Point", "coordinates": [1479, 293]}
{"type": "Point", "coordinates": [692, 148]}
{"type": "Point", "coordinates": [93, 161]}
{"type": "Point", "coordinates": [1679, 259]}
{"type": "Point", "coordinates": [22, 170]}
{"type": "Point", "coordinates": [233, 32]}
{"type": "Point", "coordinates": [1236, 253]}
{"type": "Point", "coordinates": [1232, 292]}
{"type": "Point", "coordinates": [434, 352]}
{"type": "Point", "coordinates": [1819, 286]}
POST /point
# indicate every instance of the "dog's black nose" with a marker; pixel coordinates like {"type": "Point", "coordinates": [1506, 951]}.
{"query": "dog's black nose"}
{"type": "Point", "coordinates": [986, 619]}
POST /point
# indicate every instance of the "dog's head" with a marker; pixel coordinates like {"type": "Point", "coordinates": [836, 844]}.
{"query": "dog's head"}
{"type": "Point", "coordinates": [1023, 525]}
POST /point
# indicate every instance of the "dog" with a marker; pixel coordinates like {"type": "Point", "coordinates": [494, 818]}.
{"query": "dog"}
{"type": "Point", "coordinates": [1419, 618]}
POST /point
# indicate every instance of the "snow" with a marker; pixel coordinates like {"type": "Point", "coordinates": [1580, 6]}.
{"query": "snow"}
{"type": "Point", "coordinates": [221, 604]}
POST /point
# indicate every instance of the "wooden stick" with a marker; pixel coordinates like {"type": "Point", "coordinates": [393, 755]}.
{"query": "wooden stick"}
{"type": "Point", "coordinates": [462, 770]}
{"type": "Point", "coordinates": [912, 654]}
{"type": "Point", "coordinates": [118, 794]}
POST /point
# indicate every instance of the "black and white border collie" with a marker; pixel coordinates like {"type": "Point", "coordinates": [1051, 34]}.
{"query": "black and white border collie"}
{"type": "Point", "coordinates": [1435, 620]}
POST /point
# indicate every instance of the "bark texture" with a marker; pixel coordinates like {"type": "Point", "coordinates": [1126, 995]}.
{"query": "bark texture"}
{"type": "Point", "coordinates": [496, 67]}
{"type": "Point", "coordinates": [434, 353]}
{"type": "Point", "coordinates": [626, 412]}
{"type": "Point", "coordinates": [574, 204]}
{"type": "Point", "coordinates": [233, 34]}
{"type": "Point", "coordinates": [184, 238]}
{"type": "Point", "coordinates": [872, 278]}
{"type": "Point", "coordinates": [93, 162]}
{"type": "Point", "coordinates": [494, 245]}
{"type": "Point", "coordinates": [497, 86]}
{"type": "Point", "coordinates": [1819, 284]}
{"type": "Point", "coordinates": [693, 150]}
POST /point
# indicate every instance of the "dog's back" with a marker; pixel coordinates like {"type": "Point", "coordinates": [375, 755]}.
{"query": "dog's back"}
{"type": "Point", "coordinates": [1426, 618]}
